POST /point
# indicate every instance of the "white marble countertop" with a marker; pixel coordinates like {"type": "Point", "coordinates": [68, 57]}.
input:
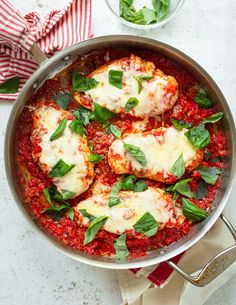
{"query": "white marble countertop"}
{"type": "Point", "coordinates": [32, 271]}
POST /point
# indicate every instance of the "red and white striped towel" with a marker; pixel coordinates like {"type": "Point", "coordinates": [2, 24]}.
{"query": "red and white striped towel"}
{"type": "Point", "coordinates": [159, 274]}
{"type": "Point", "coordinates": [59, 30]}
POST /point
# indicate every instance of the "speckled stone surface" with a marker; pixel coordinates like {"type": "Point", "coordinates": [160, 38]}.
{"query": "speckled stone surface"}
{"type": "Point", "coordinates": [32, 271]}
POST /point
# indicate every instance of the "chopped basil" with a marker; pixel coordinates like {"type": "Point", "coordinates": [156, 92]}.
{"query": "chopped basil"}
{"type": "Point", "coordinates": [93, 229]}
{"type": "Point", "coordinates": [202, 100]}
{"type": "Point", "coordinates": [202, 190]}
{"type": "Point", "coordinates": [209, 174]}
{"type": "Point", "coordinates": [59, 131]}
{"type": "Point", "coordinates": [81, 83]}
{"type": "Point", "coordinates": [67, 194]}
{"type": "Point", "coordinates": [10, 86]}
{"type": "Point", "coordinates": [55, 195]}
{"type": "Point", "coordinates": [115, 78]}
{"type": "Point", "coordinates": [77, 127]}
{"type": "Point", "coordinates": [213, 118]}
{"type": "Point", "coordinates": [114, 194]}
{"type": "Point", "coordinates": [161, 7]}
{"type": "Point", "coordinates": [115, 130]}
{"type": "Point", "coordinates": [127, 183]}
{"type": "Point", "coordinates": [102, 114]}
{"type": "Point", "coordinates": [140, 186]}
{"type": "Point", "coordinates": [146, 225]}
{"type": "Point", "coordinates": [120, 247]}
{"type": "Point", "coordinates": [85, 214]}
{"type": "Point", "coordinates": [192, 212]}
{"type": "Point", "coordinates": [47, 195]}
{"type": "Point", "coordinates": [179, 124]}
{"type": "Point", "coordinates": [198, 136]}
{"type": "Point", "coordinates": [131, 103]}
{"type": "Point", "coordinates": [178, 169]}
{"type": "Point", "coordinates": [143, 16]}
{"type": "Point", "coordinates": [60, 169]}
{"type": "Point", "coordinates": [83, 115]}
{"type": "Point", "coordinates": [140, 79]}
{"type": "Point", "coordinates": [181, 187]}
{"type": "Point", "coordinates": [62, 99]}
{"type": "Point", "coordinates": [95, 158]}
{"type": "Point", "coordinates": [207, 155]}
{"type": "Point", "coordinates": [55, 211]}
{"type": "Point", "coordinates": [136, 153]}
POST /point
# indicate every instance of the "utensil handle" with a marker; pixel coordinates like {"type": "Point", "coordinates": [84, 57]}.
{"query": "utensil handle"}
{"type": "Point", "coordinates": [215, 266]}
{"type": "Point", "coordinates": [38, 54]}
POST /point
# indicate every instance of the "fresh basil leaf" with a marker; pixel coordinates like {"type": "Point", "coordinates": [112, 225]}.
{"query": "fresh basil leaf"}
{"type": "Point", "coordinates": [67, 194]}
{"type": "Point", "coordinates": [136, 153]}
{"type": "Point", "coordinates": [178, 169]}
{"type": "Point", "coordinates": [85, 214]}
{"type": "Point", "coordinates": [70, 213]}
{"type": "Point", "coordinates": [81, 83]}
{"type": "Point", "coordinates": [161, 7]}
{"type": "Point", "coordinates": [77, 127]}
{"type": "Point", "coordinates": [60, 169]}
{"type": "Point", "coordinates": [95, 158]}
{"type": "Point", "coordinates": [209, 174]}
{"type": "Point", "coordinates": [120, 247]}
{"type": "Point", "coordinates": [149, 15]}
{"type": "Point", "coordinates": [10, 86]}
{"type": "Point", "coordinates": [47, 195]}
{"type": "Point", "coordinates": [127, 183]}
{"type": "Point", "coordinates": [202, 190]}
{"type": "Point", "coordinates": [102, 114]}
{"type": "Point", "coordinates": [198, 136]}
{"type": "Point", "coordinates": [114, 194]}
{"type": "Point", "coordinates": [115, 78]}
{"type": "Point", "coordinates": [129, 13]}
{"type": "Point", "coordinates": [55, 215]}
{"type": "Point", "coordinates": [140, 186]}
{"type": "Point", "coordinates": [213, 118]}
{"type": "Point", "coordinates": [181, 124]}
{"type": "Point", "coordinates": [83, 115]}
{"type": "Point", "coordinates": [59, 131]}
{"type": "Point", "coordinates": [183, 188]}
{"type": "Point", "coordinates": [202, 100]}
{"type": "Point", "coordinates": [55, 195]}
{"type": "Point", "coordinates": [192, 212]}
{"type": "Point", "coordinates": [95, 225]}
{"type": "Point", "coordinates": [146, 225]}
{"type": "Point", "coordinates": [62, 99]}
{"type": "Point", "coordinates": [139, 80]}
{"type": "Point", "coordinates": [115, 130]}
{"type": "Point", "coordinates": [131, 103]}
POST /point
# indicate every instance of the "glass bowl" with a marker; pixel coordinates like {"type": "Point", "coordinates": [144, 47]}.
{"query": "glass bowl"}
{"type": "Point", "coordinates": [175, 6]}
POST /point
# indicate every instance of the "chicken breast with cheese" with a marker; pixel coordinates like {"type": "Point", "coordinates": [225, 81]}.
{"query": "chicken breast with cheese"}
{"type": "Point", "coordinates": [69, 147]}
{"type": "Point", "coordinates": [161, 148]}
{"type": "Point", "coordinates": [133, 206]}
{"type": "Point", "coordinates": [154, 92]}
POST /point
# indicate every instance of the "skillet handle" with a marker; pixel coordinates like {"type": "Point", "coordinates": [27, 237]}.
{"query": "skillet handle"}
{"type": "Point", "coordinates": [215, 266]}
{"type": "Point", "coordinates": [38, 54]}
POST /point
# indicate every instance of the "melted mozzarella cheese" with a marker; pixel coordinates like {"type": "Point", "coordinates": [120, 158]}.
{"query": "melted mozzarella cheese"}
{"type": "Point", "coordinates": [160, 151]}
{"type": "Point", "coordinates": [70, 147]}
{"type": "Point", "coordinates": [123, 216]}
{"type": "Point", "coordinates": [154, 98]}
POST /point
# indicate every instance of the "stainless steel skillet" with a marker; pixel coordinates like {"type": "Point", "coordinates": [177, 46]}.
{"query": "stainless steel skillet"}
{"type": "Point", "coordinates": [49, 68]}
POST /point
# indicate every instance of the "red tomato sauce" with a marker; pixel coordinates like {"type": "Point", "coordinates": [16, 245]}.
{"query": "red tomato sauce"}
{"type": "Point", "coordinates": [69, 232]}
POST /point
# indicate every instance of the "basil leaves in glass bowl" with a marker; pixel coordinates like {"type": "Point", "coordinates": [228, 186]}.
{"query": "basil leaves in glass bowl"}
{"type": "Point", "coordinates": [144, 14]}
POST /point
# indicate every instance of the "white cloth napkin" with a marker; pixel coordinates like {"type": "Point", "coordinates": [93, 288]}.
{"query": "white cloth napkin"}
{"type": "Point", "coordinates": [140, 291]}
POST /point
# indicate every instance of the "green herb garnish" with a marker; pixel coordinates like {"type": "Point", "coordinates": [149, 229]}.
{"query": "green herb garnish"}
{"type": "Point", "coordinates": [178, 169]}
{"type": "Point", "coordinates": [81, 83]}
{"type": "Point", "coordinates": [60, 169]}
{"type": "Point", "coordinates": [10, 86]}
{"type": "Point", "coordinates": [59, 131]}
{"type": "Point", "coordinates": [115, 130]}
{"type": "Point", "coordinates": [115, 78]}
{"type": "Point", "coordinates": [120, 247]}
{"type": "Point", "coordinates": [131, 103]}
{"type": "Point", "coordinates": [62, 99]}
{"type": "Point", "coordinates": [95, 225]}
{"type": "Point", "coordinates": [213, 118]}
{"type": "Point", "coordinates": [192, 212]}
{"type": "Point", "coordinates": [179, 124]}
{"type": "Point", "coordinates": [202, 100]}
{"type": "Point", "coordinates": [140, 79]}
{"type": "Point", "coordinates": [136, 153]}
{"type": "Point", "coordinates": [209, 174]}
{"type": "Point", "coordinates": [146, 225]}
{"type": "Point", "coordinates": [95, 158]}
{"type": "Point", "coordinates": [198, 136]}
